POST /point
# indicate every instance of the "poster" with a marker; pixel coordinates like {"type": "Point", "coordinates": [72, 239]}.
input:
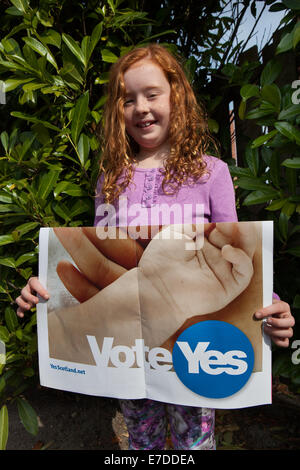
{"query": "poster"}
{"type": "Point", "coordinates": [164, 313]}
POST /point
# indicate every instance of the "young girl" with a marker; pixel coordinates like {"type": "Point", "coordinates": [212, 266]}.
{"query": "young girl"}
{"type": "Point", "coordinates": [156, 140]}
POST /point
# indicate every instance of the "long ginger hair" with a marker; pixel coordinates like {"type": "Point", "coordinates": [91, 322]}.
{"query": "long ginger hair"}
{"type": "Point", "coordinates": [188, 132]}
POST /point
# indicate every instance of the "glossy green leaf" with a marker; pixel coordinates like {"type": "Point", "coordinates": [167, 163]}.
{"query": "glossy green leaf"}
{"type": "Point", "coordinates": [72, 189]}
{"type": "Point", "coordinates": [28, 416]}
{"type": "Point", "coordinates": [289, 113]}
{"type": "Point", "coordinates": [5, 140]}
{"type": "Point", "coordinates": [260, 197]}
{"type": "Point", "coordinates": [242, 109]}
{"type": "Point", "coordinates": [33, 86]}
{"type": "Point", "coordinates": [296, 35]}
{"type": "Point", "coordinates": [6, 239]}
{"type": "Point", "coordinates": [12, 66]}
{"type": "Point", "coordinates": [89, 43]}
{"type": "Point", "coordinates": [81, 206]}
{"type": "Point", "coordinates": [50, 36]}
{"type": "Point", "coordinates": [30, 118]}
{"type": "Point", "coordinates": [7, 261]}
{"type": "Point", "coordinates": [252, 183]}
{"type": "Point", "coordinates": [47, 182]}
{"type": "Point", "coordinates": [38, 47]}
{"type": "Point", "coordinates": [83, 148]}
{"type": "Point", "coordinates": [112, 6]}
{"type": "Point", "coordinates": [12, 48]}
{"type": "Point", "coordinates": [271, 93]}
{"type": "Point", "coordinates": [263, 139]}
{"type": "Point", "coordinates": [13, 83]}
{"type": "Point", "coordinates": [4, 334]}
{"type": "Point", "coordinates": [289, 208]}
{"type": "Point", "coordinates": [79, 117]}
{"type": "Point", "coordinates": [292, 162]}
{"type": "Point", "coordinates": [27, 227]}
{"type": "Point", "coordinates": [258, 113]}
{"type": "Point", "coordinates": [285, 44]}
{"type": "Point", "coordinates": [73, 47]}
{"type": "Point", "coordinates": [13, 11]}
{"type": "Point", "coordinates": [252, 159]}
{"type": "Point", "coordinates": [276, 205]}
{"type": "Point", "coordinates": [238, 171]}
{"type": "Point", "coordinates": [25, 257]}
{"type": "Point", "coordinates": [95, 36]}
{"type": "Point", "coordinates": [11, 319]}
{"type": "Point", "coordinates": [248, 91]}
{"type": "Point", "coordinates": [288, 130]}
{"type": "Point", "coordinates": [3, 427]}
{"type": "Point", "coordinates": [270, 72]}
{"type": "Point", "coordinates": [85, 49]}
{"type": "Point", "coordinates": [21, 5]}
{"type": "Point", "coordinates": [60, 187]}
{"type": "Point", "coordinates": [45, 18]}
{"type": "Point", "coordinates": [62, 210]}
{"type": "Point", "coordinates": [108, 56]}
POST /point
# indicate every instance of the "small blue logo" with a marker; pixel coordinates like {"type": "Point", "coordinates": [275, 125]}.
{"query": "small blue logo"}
{"type": "Point", "coordinates": [213, 359]}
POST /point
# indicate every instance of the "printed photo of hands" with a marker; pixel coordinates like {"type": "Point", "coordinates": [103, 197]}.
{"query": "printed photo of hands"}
{"type": "Point", "coordinates": [151, 287]}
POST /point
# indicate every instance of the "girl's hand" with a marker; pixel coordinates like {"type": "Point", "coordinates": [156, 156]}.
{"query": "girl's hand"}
{"type": "Point", "coordinates": [28, 297]}
{"type": "Point", "coordinates": [280, 322]}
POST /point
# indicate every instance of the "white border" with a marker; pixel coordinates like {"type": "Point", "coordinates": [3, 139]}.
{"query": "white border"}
{"type": "Point", "coordinates": [136, 382]}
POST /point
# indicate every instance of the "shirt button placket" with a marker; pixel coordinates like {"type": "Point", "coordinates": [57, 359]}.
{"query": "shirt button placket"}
{"type": "Point", "coordinates": [148, 188]}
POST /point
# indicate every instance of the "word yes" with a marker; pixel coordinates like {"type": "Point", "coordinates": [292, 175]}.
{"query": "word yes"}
{"type": "Point", "coordinates": [213, 362]}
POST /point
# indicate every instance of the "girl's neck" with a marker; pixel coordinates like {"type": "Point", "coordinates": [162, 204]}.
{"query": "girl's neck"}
{"type": "Point", "coordinates": [152, 158]}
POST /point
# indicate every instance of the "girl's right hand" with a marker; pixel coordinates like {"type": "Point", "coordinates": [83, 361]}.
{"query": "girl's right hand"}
{"type": "Point", "coordinates": [28, 297]}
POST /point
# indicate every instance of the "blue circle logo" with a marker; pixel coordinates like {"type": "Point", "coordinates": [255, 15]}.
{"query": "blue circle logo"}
{"type": "Point", "coordinates": [213, 359]}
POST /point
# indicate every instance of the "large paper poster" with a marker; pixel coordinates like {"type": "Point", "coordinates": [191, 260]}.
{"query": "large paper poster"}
{"type": "Point", "coordinates": [164, 313]}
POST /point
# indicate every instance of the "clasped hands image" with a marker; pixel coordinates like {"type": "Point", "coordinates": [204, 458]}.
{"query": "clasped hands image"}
{"type": "Point", "coordinates": [146, 288]}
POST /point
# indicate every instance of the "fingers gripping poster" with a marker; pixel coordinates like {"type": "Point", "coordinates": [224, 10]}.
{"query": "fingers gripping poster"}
{"type": "Point", "coordinates": [164, 313]}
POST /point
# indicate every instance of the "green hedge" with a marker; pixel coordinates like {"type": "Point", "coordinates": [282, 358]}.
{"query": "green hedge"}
{"type": "Point", "coordinates": [49, 160]}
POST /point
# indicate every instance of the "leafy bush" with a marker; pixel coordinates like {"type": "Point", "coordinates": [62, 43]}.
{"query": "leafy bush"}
{"type": "Point", "coordinates": [53, 82]}
{"type": "Point", "coordinates": [267, 178]}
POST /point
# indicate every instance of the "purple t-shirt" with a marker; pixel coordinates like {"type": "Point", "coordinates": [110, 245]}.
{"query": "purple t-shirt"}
{"type": "Point", "coordinates": [210, 199]}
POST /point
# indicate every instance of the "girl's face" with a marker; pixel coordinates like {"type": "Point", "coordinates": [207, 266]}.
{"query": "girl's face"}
{"type": "Point", "coordinates": [147, 105]}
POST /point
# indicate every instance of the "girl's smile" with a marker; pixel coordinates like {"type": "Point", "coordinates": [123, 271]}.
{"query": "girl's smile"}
{"type": "Point", "coordinates": [147, 108]}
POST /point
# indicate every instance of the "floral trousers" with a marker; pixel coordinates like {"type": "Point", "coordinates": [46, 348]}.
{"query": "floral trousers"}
{"type": "Point", "coordinates": [147, 421]}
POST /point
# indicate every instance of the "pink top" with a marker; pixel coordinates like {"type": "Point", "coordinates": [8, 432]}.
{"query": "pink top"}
{"type": "Point", "coordinates": [144, 202]}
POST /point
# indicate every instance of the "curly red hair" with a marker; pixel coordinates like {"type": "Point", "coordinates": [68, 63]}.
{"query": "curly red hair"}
{"type": "Point", "coordinates": [188, 132]}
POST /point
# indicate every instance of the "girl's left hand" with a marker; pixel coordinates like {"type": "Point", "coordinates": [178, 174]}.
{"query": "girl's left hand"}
{"type": "Point", "coordinates": [280, 322]}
